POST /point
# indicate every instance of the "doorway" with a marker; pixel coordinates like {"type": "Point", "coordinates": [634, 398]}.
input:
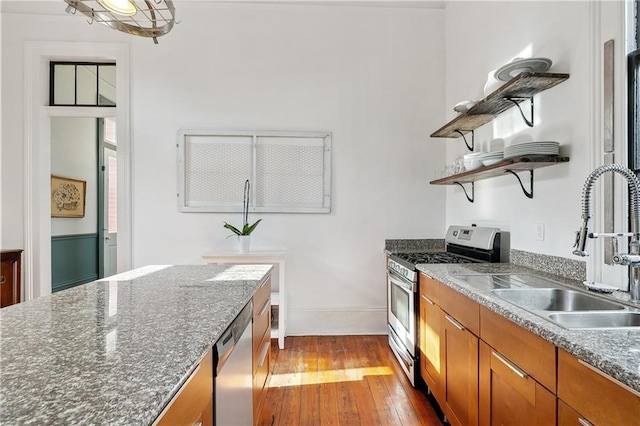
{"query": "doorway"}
{"type": "Point", "coordinates": [84, 247]}
{"type": "Point", "coordinates": [38, 116]}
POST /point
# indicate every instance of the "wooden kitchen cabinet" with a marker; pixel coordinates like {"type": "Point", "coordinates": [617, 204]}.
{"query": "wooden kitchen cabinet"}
{"type": "Point", "coordinates": [193, 404]}
{"type": "Point", "coordinates": [460, 365]}
{"type": "Point", "coordinates": [449, 350]}
{"type": "Point", "coordinates": [567, 416]}
{"type": "Point", "coordinates": [461, 373]}
{"type": "Point", "coordinates": [261, 346]}
{"type": "Point", "coordinates": [430, 327]}
{"type": "Point", "coordinates": [10, 282]}
{"type": "Point", "coordinates": [530, 352]}
{"type": "Point", "coordinates": [594, 396]}
{"type": "Point", "coordinates": [510, 395]}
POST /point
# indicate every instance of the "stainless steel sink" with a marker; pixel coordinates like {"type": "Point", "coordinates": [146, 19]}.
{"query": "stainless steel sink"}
{"type": "Point", "coordinates": [555, 299]}
{"type": "Point", "coordinates": [597, 320]}
{"type": "Point", "coordinates": [551, 301]}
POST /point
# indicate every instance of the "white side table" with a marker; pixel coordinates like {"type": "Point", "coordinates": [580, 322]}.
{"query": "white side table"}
{"type": "Point", "coordinates": [278, 288]}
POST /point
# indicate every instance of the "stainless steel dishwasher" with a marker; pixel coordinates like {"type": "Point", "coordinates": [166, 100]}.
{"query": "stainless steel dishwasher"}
{"type": "Point", "coordinates": [233, 366]}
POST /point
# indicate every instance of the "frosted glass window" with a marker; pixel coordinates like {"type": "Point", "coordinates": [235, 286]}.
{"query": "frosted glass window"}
{"type": "Point", "coordinates": [288, 171]}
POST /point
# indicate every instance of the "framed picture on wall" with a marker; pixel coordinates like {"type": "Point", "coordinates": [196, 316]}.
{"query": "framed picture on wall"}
{"type": "Point", "coordinates": [67, 196]}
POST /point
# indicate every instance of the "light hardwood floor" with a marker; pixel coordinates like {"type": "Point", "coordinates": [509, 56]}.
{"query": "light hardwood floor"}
{"type": "Point", "coordinates": [341, 380]}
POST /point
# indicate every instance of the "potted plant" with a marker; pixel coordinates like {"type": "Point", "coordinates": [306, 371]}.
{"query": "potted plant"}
{"type": "Point", "coordinates": [244, 233]}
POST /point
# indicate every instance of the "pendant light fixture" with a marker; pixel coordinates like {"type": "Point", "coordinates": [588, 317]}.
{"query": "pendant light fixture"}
{"type": "Point", "coordinates": [144, 18]}
{"type": "Point", "coordinates": [119, 7]}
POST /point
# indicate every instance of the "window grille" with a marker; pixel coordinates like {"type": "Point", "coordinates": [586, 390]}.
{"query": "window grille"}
{"type": "Point", "coordinates": [290, 172]}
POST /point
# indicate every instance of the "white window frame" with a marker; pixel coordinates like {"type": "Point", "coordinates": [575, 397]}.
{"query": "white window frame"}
{"type": "Point", "coordinates": [182, 172]}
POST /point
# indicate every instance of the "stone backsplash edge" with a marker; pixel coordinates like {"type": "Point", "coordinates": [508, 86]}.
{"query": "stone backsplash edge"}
{"type": "Point", "coordinates": [413, 245]}
{"type": "Point", "coordinates": [568, 268]}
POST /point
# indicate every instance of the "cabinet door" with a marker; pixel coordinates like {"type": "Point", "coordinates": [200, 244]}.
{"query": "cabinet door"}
{"type": "Point", "coordinates": [510, 396]}
{"type": "Point", "coordinates": [567, 416]}
{"type": "Point", "coordinates": [193, 404]}
{"type": "Point", "coordinates": [430, 347]}
{"type": "Point", "coordinates": [10, 277]}
{"type": "Point", "coordinates": [596, 396]}
{"type": "Point", "coordinates": [461, 373]}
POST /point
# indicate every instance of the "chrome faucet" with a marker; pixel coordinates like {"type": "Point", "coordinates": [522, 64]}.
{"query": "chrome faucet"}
{"type": "Point", "coordinates": [631, 259]}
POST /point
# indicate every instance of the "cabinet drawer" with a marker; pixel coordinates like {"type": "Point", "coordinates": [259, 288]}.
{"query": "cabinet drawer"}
{"type": "Point", "coordinates": [461, 308]}
{"type": "Point", "coordinates": [530, 352]}
{"type": "Point", "coordinates": [194, 401]}
{"type": "Point", "coordinates": [260, 376]}
{"type": "Point", "coordinates": [429, 288]}
{"type": "Point", "coordinates": [599, 398]}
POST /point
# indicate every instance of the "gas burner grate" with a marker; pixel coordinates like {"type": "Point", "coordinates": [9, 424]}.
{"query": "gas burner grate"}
{"type": "Point", "coordinates": [440, 257]}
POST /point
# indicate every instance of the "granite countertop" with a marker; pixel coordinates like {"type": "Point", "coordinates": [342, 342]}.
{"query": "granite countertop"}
{"type": "Point", "coordinates": [115, 351]}
{"type": "Point", "coordinates": [615, 352]}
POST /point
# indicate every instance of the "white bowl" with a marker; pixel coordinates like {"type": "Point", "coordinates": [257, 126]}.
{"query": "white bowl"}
{"type": "Point", "coordinates": [473, 164]}
{"type": "Point", "coordinates": [491, 162]}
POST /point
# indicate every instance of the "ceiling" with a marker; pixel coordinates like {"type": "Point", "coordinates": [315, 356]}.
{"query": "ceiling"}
{"type": "Point", "coordinates": [57, 7]}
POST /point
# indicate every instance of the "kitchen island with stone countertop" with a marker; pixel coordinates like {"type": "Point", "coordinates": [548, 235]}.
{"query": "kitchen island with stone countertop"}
{"type": "Point", "coordinates": [116, 351]}
{"type": "Point", "coordinates": [616, 352]}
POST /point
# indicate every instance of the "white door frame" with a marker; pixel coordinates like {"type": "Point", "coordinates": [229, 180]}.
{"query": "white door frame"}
{"type": "Point", "coordinates": [37, 152]}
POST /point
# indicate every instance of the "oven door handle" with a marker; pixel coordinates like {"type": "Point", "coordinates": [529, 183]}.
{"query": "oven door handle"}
{"type": "Point", "coordinates": [399, 349]}
{"type": "Point", "coordinates": [402, 282]}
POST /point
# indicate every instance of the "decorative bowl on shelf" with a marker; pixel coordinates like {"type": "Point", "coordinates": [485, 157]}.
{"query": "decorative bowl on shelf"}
{"type": "Point", "coordinates": [520, 65]}
{"type": "Point", "coordinates": [464, 106]}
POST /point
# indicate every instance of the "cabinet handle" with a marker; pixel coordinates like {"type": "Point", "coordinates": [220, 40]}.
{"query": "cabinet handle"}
{"type": "Point", "coordinates": [2, 279]}
{"type": "Point", "coordinates": [263, 355]}
{"type": "Point", "coordinates": [429, 301]}
{"type": "Point", "coordinates": [584, 422]}
{"type": "Point", "coordinates": [455, 323]}
{"type": "Point", "coordinates": [264, 307]}
{"type": "Point", "coordinates": [511, 366]}
{"type": "Point", "coordinates": [606, 376]}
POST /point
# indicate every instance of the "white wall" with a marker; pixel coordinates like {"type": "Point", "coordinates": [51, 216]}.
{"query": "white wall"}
{"type": "Point", "coordinates": [482, 36]}
{"type": "Point", "coordinates": [74, 155]}
{"type": "Point", "coordinates": [372, 76]}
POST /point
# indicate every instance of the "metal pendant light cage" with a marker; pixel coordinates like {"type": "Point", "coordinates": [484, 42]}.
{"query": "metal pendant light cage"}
{"type": "Point", "coordinates": [152, 18]}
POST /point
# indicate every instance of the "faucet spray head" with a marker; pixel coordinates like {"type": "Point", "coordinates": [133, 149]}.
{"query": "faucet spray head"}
{"type": "Point", "coordinates": [581, 240]}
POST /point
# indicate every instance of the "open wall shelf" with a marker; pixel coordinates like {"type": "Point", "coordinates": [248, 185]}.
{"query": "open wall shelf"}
{"type": "Point", "coordinates": [508, 166]}
{"type": "Point", "coordinates": [520, 88]}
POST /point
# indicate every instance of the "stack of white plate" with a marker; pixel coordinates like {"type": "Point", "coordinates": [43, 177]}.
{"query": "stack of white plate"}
{"type": "Point", "coordinates": [532, 148]}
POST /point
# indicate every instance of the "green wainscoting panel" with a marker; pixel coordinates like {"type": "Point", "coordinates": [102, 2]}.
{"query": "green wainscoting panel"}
{"type": "Point", "coordinates": [74, 260]}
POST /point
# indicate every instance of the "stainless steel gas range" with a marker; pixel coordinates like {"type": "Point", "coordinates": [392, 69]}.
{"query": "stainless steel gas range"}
{"type": "Point", "coordinates": [463, 244]}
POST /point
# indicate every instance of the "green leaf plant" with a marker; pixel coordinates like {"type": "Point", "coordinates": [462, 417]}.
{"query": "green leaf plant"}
{"type": "Point", "coordinates": [246, 228]}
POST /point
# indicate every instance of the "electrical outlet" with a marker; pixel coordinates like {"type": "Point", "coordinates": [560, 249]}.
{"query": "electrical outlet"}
{"type": "Point", "coordinates": [539, 231]}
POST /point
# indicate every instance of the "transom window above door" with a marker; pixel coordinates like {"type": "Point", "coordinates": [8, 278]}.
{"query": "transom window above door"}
{"type": "Point", "coordinates": [82, 84]}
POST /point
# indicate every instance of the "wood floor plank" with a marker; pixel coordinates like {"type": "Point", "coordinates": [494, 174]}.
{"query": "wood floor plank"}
{"type": "Point", "coordinates": [328, 364]}
{"type": "Point", "coordinates": [342, 380]}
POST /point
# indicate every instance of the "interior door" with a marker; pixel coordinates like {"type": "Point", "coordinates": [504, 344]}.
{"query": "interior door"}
{"type": "Point", "coordinates": [110, 193]}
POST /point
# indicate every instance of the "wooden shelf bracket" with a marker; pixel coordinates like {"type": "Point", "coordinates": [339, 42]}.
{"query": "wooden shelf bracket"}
{"type": "Point", "coordinates": [516, 101]}
{"type": "Point", "coordinates": [465, 191]}
{"type": "Point", "coordinates": [473, 139]}
{"type": "Point", "coordinates": [529, 193]}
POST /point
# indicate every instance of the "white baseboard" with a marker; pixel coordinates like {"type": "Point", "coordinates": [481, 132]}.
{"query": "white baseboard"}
{"type": "Point", "coordinates": [336, 321]}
